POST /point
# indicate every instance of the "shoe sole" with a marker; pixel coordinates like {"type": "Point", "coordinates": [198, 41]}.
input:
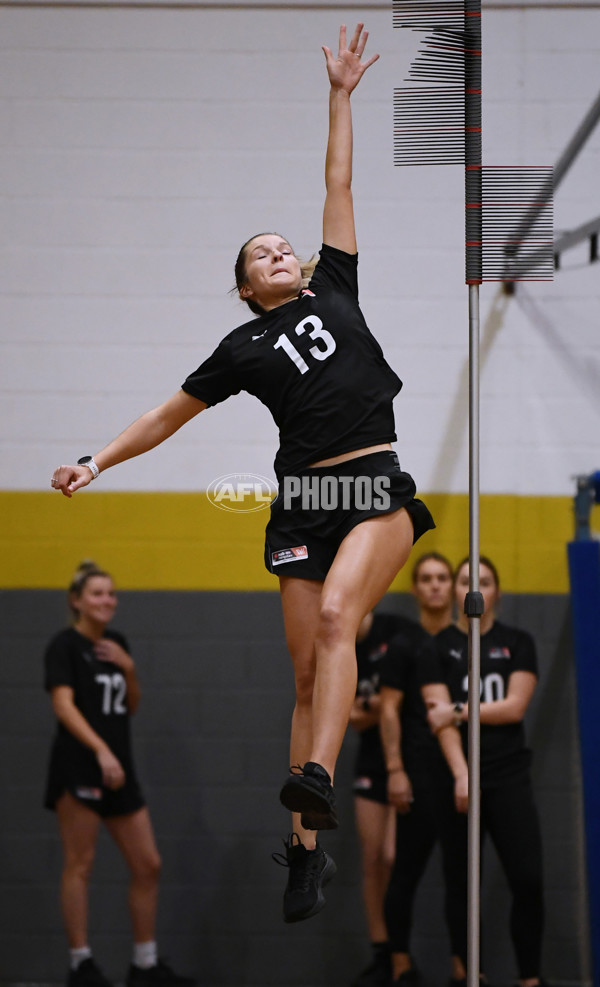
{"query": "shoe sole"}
{"type": "Point", "coordinates": [299, 795]}
{"type": "Point", "coordinates": [327, 874]}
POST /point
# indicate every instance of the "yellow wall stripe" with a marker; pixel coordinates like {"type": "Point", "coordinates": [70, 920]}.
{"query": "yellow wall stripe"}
{"type": "Point", "coordinates": [180, 541]}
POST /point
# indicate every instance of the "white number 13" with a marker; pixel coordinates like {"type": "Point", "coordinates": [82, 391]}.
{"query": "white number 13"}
{"type": "Point", "coordinates": [317, 333]}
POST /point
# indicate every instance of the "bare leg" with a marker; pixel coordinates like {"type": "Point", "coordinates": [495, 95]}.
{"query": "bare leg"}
{"type": "Point", "coordinates": [321, 622]}
{"type": "Point", "coordinates": [376, 825]}
{"type": "Point", "coordinates": [367, 561]}
{"type": "Point", "coordinates": [301, 602]}
{"type": "Point", "coordinates": [134, 836]}
{"type": "Point", "coordinates": [78, 826]}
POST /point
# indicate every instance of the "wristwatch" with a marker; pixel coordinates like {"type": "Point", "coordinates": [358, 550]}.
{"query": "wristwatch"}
{"type": "Point", "coordinates": [91, 465]}
{"type": "Point", "coordinates": [458, 708]}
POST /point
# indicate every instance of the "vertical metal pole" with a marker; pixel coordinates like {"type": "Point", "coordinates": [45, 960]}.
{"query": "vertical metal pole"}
{"type": "Point", "coordinates": [473, 601]}
{"type": "Point", "coordinates": [473, 877]}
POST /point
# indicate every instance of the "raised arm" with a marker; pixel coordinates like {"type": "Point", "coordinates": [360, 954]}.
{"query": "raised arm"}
{"type": "Point", "coordinates": [143, 434]}
{"type": "Point", "coordinates": [345, 72]}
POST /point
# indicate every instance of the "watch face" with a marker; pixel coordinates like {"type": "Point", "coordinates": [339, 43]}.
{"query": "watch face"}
{"type": "Point", "coordinates": [84, 460]}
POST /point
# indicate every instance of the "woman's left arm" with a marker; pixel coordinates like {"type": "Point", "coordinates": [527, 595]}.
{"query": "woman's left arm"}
{"type": "Point", "coordinates": [511, 709]}
{"type": "Point", "coordinates": [109, 650]}
{"type": "Point", "coordinates": [345, 72]}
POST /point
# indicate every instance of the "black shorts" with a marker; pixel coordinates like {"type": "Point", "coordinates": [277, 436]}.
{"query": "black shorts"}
{"type": "Point", "coordinates": [372, 787]}
{"type": "Point", "coordinates": [315, 510]}
{"type": "Point", "coordinates": [104, 801]}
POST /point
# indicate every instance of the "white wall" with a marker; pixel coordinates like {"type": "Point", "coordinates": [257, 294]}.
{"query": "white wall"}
{"type": "Point", "coordinates": [140, 147]}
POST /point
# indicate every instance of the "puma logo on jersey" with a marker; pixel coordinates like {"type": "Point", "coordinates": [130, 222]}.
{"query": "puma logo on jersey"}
{"type": "Point", "coordinates": [456, 653]}
{"type": "Point", "coordinates": [260, 335]}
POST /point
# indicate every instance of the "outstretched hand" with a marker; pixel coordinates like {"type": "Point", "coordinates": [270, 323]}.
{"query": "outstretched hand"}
{"type": "Point", "coordinates": [346, 71]}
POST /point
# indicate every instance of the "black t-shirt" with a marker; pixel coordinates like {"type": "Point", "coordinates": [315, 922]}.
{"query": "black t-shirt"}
{"type": "Point", "coordinates": [99, 692]}
{"type": "Point", "coordinates": [315, 365]}
{"type": "Point", "coordinates": [370, 656]}
{"type": "Point", "coordinates": [504, 650]}
{"type": "Point", "coordinates": [401, 670]}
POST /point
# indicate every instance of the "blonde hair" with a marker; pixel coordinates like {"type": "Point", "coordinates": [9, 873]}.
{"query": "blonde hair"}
{"type": "Point", "coordinates": [307, 269]}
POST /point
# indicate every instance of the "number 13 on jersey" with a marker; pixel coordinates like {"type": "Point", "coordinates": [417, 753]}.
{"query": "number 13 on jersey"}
{"type": "Point", "coordinates": [317, 333]}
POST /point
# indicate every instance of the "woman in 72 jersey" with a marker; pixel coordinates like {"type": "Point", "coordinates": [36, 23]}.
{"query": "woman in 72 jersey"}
{"type": "Point", "coordinates": [94, 690]}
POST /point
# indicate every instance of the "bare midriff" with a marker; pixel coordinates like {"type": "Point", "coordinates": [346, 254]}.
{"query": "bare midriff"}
{"type": "Point", "coordinates": [334, 460]}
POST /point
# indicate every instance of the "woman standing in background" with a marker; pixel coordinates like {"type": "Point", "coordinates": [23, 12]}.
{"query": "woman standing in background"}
{"type": "Point", "coordinates": [509, 814]}
{"type": "Point", "coordinates": [93, 685]}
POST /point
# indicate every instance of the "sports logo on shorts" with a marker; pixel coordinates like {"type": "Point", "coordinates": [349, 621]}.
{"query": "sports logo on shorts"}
{"type": "Point", "coordinates": [89, 793]}
{"type": "Point", "coordinates": [363, 784]}
{"type": "Point", "coordinates": [289, 555]}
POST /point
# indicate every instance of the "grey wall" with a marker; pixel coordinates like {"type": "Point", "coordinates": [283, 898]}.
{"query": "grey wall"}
{"type": "Point", "coordinates": [211, 744]}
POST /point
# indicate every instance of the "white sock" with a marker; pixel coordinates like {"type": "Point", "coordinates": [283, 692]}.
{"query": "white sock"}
{"type": "Point", "coordinates": [79, 955]}
{"type": "Point", "coordinates": [145, 954]}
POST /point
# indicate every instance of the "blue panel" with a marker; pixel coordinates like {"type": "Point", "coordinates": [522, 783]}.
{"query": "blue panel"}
{"type": "Point", "coordinates": [584, 570]}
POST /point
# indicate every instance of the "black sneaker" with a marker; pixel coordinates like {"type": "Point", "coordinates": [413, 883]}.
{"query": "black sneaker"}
{"type": "Point", "coordinates": [308, 790]}
{"type": "Point", "coordinates": [310, 870]}
{"type": "Point", "coordinates": [87, 974]}
{"type": "Point", "coordinates": [160, 975]}
{"type": "Point", "coordinates": [379, 971]}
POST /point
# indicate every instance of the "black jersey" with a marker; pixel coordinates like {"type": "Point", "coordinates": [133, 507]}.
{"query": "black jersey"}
{"type": "Point", "coordinates": [315, 365]}
{"type": "Point", "coordinates": [100, 693]}
{"type": "Point", "coordinates": [504, 650]}
{"type": "Point", "coordinates": [370, 657]}
{"type": "Point", "coordinates": [401, 670]}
